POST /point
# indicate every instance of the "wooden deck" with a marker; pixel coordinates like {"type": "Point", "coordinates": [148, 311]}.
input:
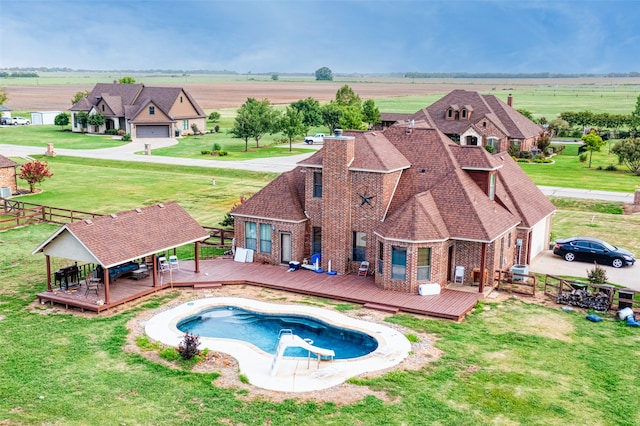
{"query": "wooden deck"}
{"type": "Point", "coordinates": [450, 304]}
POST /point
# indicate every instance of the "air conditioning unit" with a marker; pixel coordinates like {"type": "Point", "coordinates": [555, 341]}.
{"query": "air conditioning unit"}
{"type": "Point", "coordinates": [5, 192]}
{"type": "Point", "coordinates": [520, 269]}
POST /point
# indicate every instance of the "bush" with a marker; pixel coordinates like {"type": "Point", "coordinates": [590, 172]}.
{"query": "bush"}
{"type": "Point", "coordinates": [188, 348]}
{"type": "Point", "coordinates": [489, 149]}
{"type": "Point", "coordinates": [513, 151]}
{"type": "Point", "coordinates": [205, 152]}
{"type": "Point", "coordinates": [548, 151]}
{"type": "Point", "coordinates": [611, 168]}
{"type": "Point", "coordinates": [111, 132]}
{"type": "Point", "coordinates": [121, 132]}
{"type": "Point", "coordinates": [583, 157]}
{"type": "Point", "coordinates": [170, 354]}
{"type": "Point", "coordinates": [558, 148]}
{"type": "Point", "coordinates": [525, 154]}
{"type": "Point", "coordinates": [222, 153]}
{"type": "Point", "coordinates": [597, 275]}
{"type": "Point", "coordinates": [216, 147]}
{"type": "Point", "coordinates": [126, 137]}
{"type": "Point", "coordinates": [217, 128]}
{"type": "Point", "coordinates": [522, 160]}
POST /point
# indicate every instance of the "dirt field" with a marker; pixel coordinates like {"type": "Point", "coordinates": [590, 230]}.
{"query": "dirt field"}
{"type": "Point", "coordinates": [230, 94]}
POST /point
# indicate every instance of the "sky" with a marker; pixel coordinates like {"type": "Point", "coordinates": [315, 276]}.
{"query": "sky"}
{"type": "Point", "coordinates": [300, 36]}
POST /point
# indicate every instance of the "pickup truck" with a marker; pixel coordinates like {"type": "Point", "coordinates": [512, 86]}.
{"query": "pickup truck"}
{"type": "Point", "coordinates": [317, 138]}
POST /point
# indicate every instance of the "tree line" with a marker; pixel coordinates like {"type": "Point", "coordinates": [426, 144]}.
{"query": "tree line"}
{"type": "Point", "coordinates": [257, 118]}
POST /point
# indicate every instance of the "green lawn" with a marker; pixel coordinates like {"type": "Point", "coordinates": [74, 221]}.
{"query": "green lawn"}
{"type": "Point", "coordinates": [111, 186]}
{"type": "Point", "coordinates": [43, 135]}
{"type": "Point", "coordinates": [513, 363]}
{"type": "Point", "coordinates": [567, 171]}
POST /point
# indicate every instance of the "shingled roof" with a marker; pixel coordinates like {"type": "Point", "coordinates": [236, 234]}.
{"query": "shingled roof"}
{"type": "Point", "coordinates": [7, 162]}
{"type": "Point", "coordinates": [489, 107]}
{"type": "Point", "coordinates": [118, 238]}
{"type": "Point", "coordinates": [129, 99]}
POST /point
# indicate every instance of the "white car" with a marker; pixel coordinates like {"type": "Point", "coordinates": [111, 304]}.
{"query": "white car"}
{"type": "Point", "coordinates": [20, 121]}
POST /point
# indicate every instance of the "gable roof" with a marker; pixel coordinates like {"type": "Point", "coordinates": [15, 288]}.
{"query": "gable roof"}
{"type": "Point", "coordinates": [7, 162]}
{"type": "Point", "coordinates": [118, 238]}
{"type": "Point", "coordinates": [489, 107]}
{"type": "Point", "coordinates": [129, 99]}
{"type": "Point", "coordinates": [285, 199]}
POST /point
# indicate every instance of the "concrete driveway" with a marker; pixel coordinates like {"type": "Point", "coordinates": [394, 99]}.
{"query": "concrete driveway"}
{"type": "Point", "coordinates": [548, 263]}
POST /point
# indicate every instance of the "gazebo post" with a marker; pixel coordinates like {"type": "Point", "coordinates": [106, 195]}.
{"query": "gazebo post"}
{"type": "Point", "coordinates": [106, 286]}
{"type": "Point", "coordinates": [48, 273]}
{"type": "Point", "coordinates": [197, 258]}
{"type": "Point", "coordinates": [155, 270]}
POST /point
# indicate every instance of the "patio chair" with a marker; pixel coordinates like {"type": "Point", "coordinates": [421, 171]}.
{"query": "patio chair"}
{"type": "Point", "coordinates": [363, 270]}
{"type": "Point", "coordinates": [163, 264]}
{"type": "Point", "coordinates": [173, 262]}
{"type": "Point", "coordinates": [91, 284]}
{"type": "Point", "coordinates": [459, 275]}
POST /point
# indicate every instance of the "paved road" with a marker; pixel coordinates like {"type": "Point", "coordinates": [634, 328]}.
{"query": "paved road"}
{"type": "Point", "coordinates": [128, 153]}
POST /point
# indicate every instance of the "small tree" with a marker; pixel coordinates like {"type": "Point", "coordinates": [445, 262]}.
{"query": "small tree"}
{"type": "Point", "coordinates": [127, 80]}
{"type": "Point", "coordinates": [34, 172]}
{"type": "Point", "coordinates": [83, 119]}
{"type": "Point", "coordinates": [274, 77]}
{"type": "Point", "coordinates": [597, 275]}
{"type": "Point", "coordinates": [324, 73]}
{"type": "Point", "coordinates": [96, 120]}
{"type": "Point", "coordinates": [214, 117]}
{"type": "Point", "coordinates": [628, 152]}
{"type": "Point", "coordinates": [331, 115]}
{"type": "Point", "coordinates": [593, 142]}
{"type": "Point", "coordinates": [78, 96]}
{"type": "Point", "coordinates": [370, 113]}
{"type": "Point", "coordinates": [3, 96]}
{"type": "Point", "coordinates": [194, 129]}
{"type": "Point", "coordinates": [61, 120]}
{"type": "Point", "coordinates": [188, 348]}
{"type": "Point", "coordinates": [310, 108]}
{"type": "Point", "coordinates": [292, 125]}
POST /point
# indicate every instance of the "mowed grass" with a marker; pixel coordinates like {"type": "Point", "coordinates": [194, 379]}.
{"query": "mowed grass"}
{"type": "Point", "coordinates": [102, 186]}
{"type": "Point", "coordinates": [568, 172]}
{"type": "Point", "coordinates": [509, 363]}
{"type": "Point", "coordinates": [40, 136]}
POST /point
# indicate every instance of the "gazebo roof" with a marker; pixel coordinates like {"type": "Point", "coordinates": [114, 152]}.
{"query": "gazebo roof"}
{"type": "Point", "coordinates": [118, 238]}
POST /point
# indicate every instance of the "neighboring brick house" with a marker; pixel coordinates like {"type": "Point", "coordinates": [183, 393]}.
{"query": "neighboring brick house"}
{"type": "Point", "coordinates": [470, 118]}
{"type": "Point", "coordinates": [143, 112]}
{"type": "Point", "coordinates": [8, 175]}
{"type": "Point", "coordinates": [408, 200]}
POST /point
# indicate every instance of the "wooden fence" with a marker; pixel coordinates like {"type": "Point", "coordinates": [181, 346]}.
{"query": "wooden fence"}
{"type": "Point", "coordinates": [618, 297]}
{"type": "Point", "coordinates": [18, 213]}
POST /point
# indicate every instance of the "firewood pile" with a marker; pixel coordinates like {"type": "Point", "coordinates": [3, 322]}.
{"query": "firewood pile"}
{"type": "Point", "coordinates": [584, 298]}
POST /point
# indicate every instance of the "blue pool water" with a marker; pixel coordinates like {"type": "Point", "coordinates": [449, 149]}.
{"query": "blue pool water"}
{"type": "Point", "coordinates": [262, 330]}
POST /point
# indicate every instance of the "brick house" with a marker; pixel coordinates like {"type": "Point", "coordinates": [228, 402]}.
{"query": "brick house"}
{"type": "Point", "coordinates": [143, 112]}
{"type": "Point", "coordinates": [408, 200]}
{"type": "Point", "coordinates": [8, 174]}
{"type": "Point", "coordinates": [470, 118]}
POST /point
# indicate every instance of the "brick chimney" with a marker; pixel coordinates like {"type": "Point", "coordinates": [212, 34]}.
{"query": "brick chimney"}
{"type": "Point", "coordinates": [510, 100]}
{"type": "Point", "coordinates": [339, 152]}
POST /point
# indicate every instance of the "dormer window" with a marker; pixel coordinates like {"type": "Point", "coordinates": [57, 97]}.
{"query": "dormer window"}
{"type": "Point", "coordinates": [449, 113]}
{"type": "Point", "coordinates": [464, 113]}
{"type": "Point", "coordinates": [152, 110]}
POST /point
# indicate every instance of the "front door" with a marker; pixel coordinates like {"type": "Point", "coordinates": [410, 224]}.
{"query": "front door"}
{"type": "Point", "coordinates": [285, 248]}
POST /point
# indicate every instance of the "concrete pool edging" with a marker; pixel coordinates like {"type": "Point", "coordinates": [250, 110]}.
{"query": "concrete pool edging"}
{"type": "Point", "coordinates": [293, 374]}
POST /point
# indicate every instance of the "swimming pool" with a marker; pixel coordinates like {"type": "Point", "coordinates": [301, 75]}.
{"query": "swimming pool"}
{"type": "Point", "coordinates": [264, 331]}
{"type": "Point", "coordinates": [293, 373]}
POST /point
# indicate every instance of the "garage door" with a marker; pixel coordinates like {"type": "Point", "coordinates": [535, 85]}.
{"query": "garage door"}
{"type": "Point", "coordinates": [539, 238]}
{"type": "Point", "coordinates": [152, 131]}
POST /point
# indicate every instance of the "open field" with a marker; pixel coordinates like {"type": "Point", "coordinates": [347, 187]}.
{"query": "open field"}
{"type": "Point", "coordinates": [541, 96]}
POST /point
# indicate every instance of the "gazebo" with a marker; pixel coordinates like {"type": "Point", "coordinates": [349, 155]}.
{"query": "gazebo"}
{"type": "Point", "coordinates": [111, 241]}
